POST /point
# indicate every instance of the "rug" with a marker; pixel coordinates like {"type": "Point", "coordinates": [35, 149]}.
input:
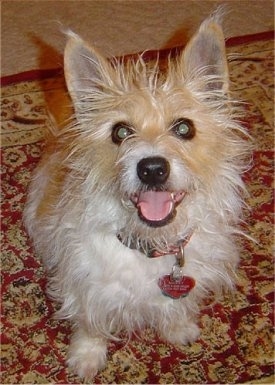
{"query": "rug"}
{"type": "Point", "coordinates": [235, 345]}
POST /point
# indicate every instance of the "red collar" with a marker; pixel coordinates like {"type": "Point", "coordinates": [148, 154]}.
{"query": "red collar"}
{"type": "Point", "coordinates": [174, 250]}
{"type": "Point", "coordinates": [151, 252]}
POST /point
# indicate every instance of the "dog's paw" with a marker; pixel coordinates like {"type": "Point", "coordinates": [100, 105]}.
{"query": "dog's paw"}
{"type": "Point", "coordinates": [87, 356]}
{"type": "Point", "coordinates": [181, 333]}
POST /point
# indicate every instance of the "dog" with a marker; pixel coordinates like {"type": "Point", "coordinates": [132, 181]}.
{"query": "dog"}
{"type": "Point", "coordinates": [136, 204]}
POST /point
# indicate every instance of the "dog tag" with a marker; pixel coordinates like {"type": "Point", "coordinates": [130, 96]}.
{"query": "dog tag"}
{"type": "Point", "coordinates": [176, 288]}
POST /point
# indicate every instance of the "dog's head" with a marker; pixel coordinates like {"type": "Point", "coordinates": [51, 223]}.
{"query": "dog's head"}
{"type": "Point", "coordinates": [160, 145]}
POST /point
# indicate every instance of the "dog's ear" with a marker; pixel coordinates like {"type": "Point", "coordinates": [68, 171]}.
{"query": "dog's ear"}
{"type": "Point", "coordinates": [84, 68]}
{"type": "Point", "coordinates": [205, 58]}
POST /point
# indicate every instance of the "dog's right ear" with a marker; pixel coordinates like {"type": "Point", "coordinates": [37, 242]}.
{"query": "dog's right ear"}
{"type": "Point", "coordinates": [84, 69]}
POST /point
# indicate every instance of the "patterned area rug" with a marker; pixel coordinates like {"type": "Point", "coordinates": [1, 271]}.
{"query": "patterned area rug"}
{"type": "Point", "coordinates": [236, 341]}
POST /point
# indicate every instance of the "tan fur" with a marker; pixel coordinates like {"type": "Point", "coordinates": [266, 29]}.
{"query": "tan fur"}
{"type": "Point", "coordinates": [52, 193]}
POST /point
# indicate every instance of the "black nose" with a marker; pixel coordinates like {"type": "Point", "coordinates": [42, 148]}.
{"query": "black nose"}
{"type": "Point", "coordinates": [153, 170]}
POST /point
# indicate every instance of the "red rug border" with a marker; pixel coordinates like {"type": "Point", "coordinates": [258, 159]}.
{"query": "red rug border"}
{"type": "Point", "coordinates": [40, 74]}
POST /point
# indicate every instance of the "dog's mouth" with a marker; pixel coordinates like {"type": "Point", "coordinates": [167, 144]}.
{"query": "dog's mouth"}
{"type": "Point", "coordinates": [157, 208]}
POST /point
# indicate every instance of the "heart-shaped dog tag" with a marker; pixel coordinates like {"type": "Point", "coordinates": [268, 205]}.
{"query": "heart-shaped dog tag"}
{"type": "Point", "coordinates": [176, 288]}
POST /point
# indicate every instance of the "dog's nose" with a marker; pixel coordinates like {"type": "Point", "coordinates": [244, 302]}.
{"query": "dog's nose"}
{"type": "Point", "coordinates": [153, 170]}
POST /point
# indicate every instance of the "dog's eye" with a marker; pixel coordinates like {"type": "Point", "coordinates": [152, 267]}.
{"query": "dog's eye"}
{"type": "Point", "coordinates": [120, 132]}
{"type": "Point", "coordinates": [184, 128]}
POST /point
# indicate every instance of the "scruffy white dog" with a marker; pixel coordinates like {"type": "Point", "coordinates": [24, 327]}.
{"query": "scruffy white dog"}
{"type": "Point", "coordinates": [135, 206]}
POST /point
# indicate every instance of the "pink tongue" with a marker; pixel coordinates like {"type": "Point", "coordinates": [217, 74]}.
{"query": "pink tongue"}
{"type": "Point", "coordinates": [155, 205]}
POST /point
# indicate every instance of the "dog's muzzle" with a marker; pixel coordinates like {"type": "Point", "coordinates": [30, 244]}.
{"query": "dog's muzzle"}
{"type": "Point", "coordinates": [156, 206]}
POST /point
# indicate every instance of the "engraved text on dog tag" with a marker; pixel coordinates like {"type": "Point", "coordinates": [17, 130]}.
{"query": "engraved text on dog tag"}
{"type": "Point", "coordinates": [176, 288]}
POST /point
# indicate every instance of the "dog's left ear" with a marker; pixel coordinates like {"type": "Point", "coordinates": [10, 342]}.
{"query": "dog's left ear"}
{"type": "Point", "coordinates": [84, 69]}
{"type": "Point", "coordinates": [205, 58]}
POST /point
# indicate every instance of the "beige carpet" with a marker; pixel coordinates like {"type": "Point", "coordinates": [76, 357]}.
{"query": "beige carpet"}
{"type": "Point", "coordinates": [31, 37]}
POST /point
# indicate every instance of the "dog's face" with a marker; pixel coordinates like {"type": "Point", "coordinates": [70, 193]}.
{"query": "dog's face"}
{"type": "Point", "coordinates": [157, 144]}
{"type": "Point", "coordinates": [157, 159]}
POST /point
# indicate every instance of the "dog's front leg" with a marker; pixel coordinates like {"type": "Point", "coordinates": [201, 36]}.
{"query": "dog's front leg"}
{"type": "Point", "coordinates": [87, 353]}
{"type": "Point", "coordinates": [182, 331]}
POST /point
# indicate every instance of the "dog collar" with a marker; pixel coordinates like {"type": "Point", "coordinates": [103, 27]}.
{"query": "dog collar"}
{"type": "Point", "coordinates": [152, 252]}
{"type": "Point", "coordinates": [175, 285]}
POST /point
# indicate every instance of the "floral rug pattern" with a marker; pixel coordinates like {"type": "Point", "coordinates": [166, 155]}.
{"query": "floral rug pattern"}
{"type": "Point", "coordinates": [236, 341]}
